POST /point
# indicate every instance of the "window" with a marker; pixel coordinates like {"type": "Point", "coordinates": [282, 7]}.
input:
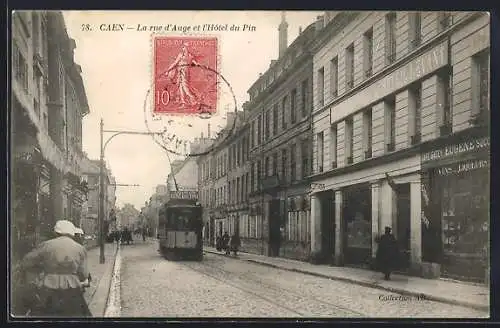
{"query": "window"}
{"type": "Point", "coordinates": [319, 138]}
{"type": "Point", "coordinates": [230, 186]}
{"type": "Point", "coordinates": [334, 76]}
{"type": "Point", "coordinates": [252, 178]}
{"type": "Point", "coordinates": [390, 123]}
{"type": "Point", "coordinates": [20, 66]}
{"type": "Point", "coordinates": [275, 119]}
{"type": "Point", "coordinates": [415, 30]}
{"type": "Point", "coordinates": [266, 125]}
{"type": "Point", "coordinates": [247, 179]}
{"type": "Point", "coordinates": [444, 102]}
{"type": "Point", "coordinates": [304, 152]}
{"type": "Point", "coordinates": [293, 106]}
{"type": "Point", "coordinates": [284, 161]}
{"type": "Point", "coordinates": [415, 109]}
{"type": "Point", "coordinates": [252, 134]}
{"type": "Point", "coordinates": [259, 129]}
{"type": "Point", "coordinates": [444, 21]}
{"type": "Point", "coordinates": [238, 190]}
{"type": "Point", "coordinates": [390, 38]}
{"type": "Point", "coordinates": [481, 91]}
{"type": "Point", "coordinates": [367, 133]}
{"type": "Point", "coordinates": [304, 96]}
{"type": "Point", "coordinates": [275, 163]}
{"type": "Point", "coordinates": [259, 174]}
{"type": "Point", "coordinates": [349, 67]}
{"type": "Point", "coordinates": [333, 146]}
{"type": "Point", "coordinates": [349, 131]}
{"type": "Point", "coordinates": [321, 87]}
{"type": "Point", "coordinates": [283, 112]}
{"type": "Point", "coordinates": [293, 162]}
{"type": "Point", "coordinates": [368, 52]}
{"type": "Point", "coordinates": [266, 166]}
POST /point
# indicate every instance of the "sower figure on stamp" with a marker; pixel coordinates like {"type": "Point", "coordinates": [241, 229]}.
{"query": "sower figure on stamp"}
{"type": "Point", "coordinates": [387, 253]}
{"type": "Point", "coordinates": [59, 275]}
{"type": "Point", "coordinates": [186, 93]}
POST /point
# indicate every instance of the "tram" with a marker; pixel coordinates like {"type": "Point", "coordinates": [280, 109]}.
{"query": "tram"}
{"type": "Point", "coordinates": [180, 226]}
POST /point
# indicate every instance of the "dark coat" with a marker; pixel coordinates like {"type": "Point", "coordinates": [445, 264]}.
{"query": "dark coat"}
{"type": "Point", "coordinates": [235, 242]}
{"type": "Point", "coordinates": [387, 253]}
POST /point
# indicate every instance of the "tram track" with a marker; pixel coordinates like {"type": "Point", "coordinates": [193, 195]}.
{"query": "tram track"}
{"type": "Point", "coordinates": [247, 282]}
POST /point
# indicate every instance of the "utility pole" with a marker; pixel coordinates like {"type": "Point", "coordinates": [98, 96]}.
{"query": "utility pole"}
{"type": "Point", "coordinates": [101, 216]}
{"type": "Point", "coordinates": [101, 198]}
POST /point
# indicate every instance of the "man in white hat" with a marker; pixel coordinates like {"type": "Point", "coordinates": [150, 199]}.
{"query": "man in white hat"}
{"type": "Point", "coordinates": [61, 267]}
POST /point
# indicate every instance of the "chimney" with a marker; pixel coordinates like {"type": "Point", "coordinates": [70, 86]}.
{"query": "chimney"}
{"type": "Point", "coordinates": [283, 35]}
{"type": "Point", "coordinates": [208, 136]}
{"type": "Point", "coordinates": [300, 30]}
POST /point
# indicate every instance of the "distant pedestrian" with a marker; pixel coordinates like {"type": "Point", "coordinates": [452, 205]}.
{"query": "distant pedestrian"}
{"type": "Point", "coordinates": [387, 253]}
{"type": "Point", "coordinates": [59, 272]}
{"type": "Point", "coordinates": [225, 242]}
{"type": "Point", "coordinates": [235, 244]}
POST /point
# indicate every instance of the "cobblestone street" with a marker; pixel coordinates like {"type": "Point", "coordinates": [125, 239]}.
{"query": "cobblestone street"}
{"type": "Point", "coordinates": [227, 287]}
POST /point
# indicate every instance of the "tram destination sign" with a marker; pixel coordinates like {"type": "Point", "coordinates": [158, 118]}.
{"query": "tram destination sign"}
{"type": "Point", "coordinates": [184, 194]}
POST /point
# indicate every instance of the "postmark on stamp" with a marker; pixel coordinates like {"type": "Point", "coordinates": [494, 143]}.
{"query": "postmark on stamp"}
{"type": "Point", "coordinates": [185, 75]}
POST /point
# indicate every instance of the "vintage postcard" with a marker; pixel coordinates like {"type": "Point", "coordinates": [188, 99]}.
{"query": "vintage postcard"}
{"type": "Point", "coordinates": [250, 164]}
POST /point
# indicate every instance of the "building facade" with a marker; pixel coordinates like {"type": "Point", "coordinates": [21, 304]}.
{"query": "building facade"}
{"type": "Point", "coordinates": [401, 107]}
{"type": "Point", "coordinates": [47, 109]}
{"type": "Point", "coordinates": [280, 154]}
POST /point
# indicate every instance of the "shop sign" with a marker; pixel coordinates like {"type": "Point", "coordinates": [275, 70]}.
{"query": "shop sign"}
{"type": "Point", "coordinates": [463, 167]}
{"type": "Point", "coordinates": [184, 194]}
{"type": "Point", "coordinates": [456, 149]}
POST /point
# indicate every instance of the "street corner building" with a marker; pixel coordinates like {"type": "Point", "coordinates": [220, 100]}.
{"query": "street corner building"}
{"type": "Point", "coordinates": [366, 120]}
{"type": "Point", "coordinates": [401, 139]}
{"type": "Point", "coordinates": [48, 104]}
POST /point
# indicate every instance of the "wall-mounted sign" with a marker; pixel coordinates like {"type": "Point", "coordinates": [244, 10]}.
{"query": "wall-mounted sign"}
{"type": "Point", "coordinates": [183, 194]}
{"type": "Point", "coordinates": [455, 149]}
{"type": "Point", "coordinates": [460, 167]}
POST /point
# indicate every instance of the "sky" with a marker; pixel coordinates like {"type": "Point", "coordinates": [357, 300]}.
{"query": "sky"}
{"type": "Point", "coordinates": [117, 73]}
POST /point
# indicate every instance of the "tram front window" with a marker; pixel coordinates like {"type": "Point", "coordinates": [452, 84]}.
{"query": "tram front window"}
{"type": "Point", "coordinates": [183, 219]}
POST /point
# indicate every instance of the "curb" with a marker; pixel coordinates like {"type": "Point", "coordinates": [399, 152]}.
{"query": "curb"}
{"type": "Point", "coordinates": [113, 304]}
{"type": "Point", "coordinates": [425, 296]}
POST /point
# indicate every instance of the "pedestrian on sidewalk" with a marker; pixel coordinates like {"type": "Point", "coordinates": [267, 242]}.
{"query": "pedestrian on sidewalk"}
{"type": "Point", "coordinates": [235, 243]}
{"type": "Point", "coordinates": [58, 269]}
{"type": "Point", "coordinates": [387, 253]}
{"type": "Point", "coordinates": [225, 242]}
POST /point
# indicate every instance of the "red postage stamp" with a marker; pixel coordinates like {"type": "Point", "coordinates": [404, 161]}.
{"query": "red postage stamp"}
{"type": "Point", "coordinates": [185, 75]}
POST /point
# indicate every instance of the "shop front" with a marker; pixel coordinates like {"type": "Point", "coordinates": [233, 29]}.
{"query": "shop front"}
{"type": "Point", "coordinates": [357, 232]}
{"type": "Point", "coordinates": [456, 176]}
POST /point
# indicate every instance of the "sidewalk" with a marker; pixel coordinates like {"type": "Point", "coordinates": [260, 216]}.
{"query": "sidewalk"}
{"type": "Point", "coordinates": [456, 293]}
{"type": "Point", "coordinates": [97, 294]}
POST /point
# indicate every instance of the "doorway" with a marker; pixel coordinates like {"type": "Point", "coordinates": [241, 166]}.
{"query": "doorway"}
{"type": "Point", "coordinates": [328, 226]}
{"type": "Point", "coordinates": [403, 224]}
{"type": "Point", "coordinates": [274, 227]}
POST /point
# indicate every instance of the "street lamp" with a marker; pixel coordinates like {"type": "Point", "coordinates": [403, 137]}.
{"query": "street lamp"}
{"type": "Point", "coordinates": [101, 180]}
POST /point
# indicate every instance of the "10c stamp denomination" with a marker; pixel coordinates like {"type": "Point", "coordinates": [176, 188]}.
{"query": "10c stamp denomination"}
{"type": "Point", "coordinates": [185, 75]}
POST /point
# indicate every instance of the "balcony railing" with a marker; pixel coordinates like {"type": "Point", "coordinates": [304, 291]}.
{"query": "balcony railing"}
{"type": "Point", "coordinates": [349, 84]}
{"type": "Point", "coordinates": [368, 72]}
{"type": "Point", "coordinates": [390, 146]}
{"type": "Point", "coordinates": [349, 160]}
{"type": "Point", "coordinates": [368, 153]}
{"type": "Point", "coordinates": [445, 129]}
{"type": "Point", "coordinates": [334, 165]}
